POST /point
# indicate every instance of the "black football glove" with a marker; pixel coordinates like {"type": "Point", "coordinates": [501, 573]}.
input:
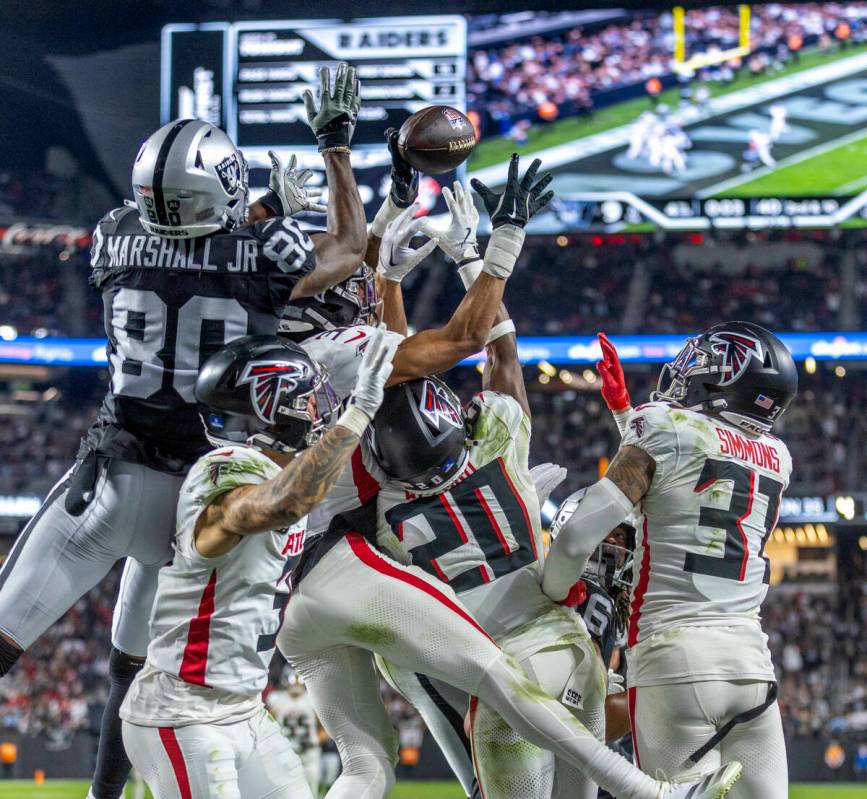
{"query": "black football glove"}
{"type": "Point", "coordinates": [404, 177]}
{"type": "Point", "coordinates": [520, 201]}
{"type": "Point", "coordinates": [334, 122]}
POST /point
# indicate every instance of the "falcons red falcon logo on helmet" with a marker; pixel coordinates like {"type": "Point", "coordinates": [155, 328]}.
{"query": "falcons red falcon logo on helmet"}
{"type": "Point", "coordinates": [436, 405]}
{"type": "Point", "coordinates": [269, 381]}
{"type": "Point", "coordinates": [737, 349]}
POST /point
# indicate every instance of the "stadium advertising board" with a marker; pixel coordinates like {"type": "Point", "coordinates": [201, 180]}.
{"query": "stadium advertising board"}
{"type": "Point", "coordinates": [531, 349]}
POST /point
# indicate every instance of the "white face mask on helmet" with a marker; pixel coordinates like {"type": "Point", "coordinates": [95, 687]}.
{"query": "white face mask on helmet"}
{"type": "Point", "coordinates": [189, 180]}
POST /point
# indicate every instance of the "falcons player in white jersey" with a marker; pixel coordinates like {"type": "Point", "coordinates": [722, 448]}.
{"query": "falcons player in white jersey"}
{"type": "Point", "coordinates": [194, 724]}
{"type": "Point", "coordinates": [293, 709]}
{"type": "Point", "coordinates": [461, 504]}
{"type": "Point", "coordinates": [350, 601]}
{"type": "Point", "coordinates": [709, 476]}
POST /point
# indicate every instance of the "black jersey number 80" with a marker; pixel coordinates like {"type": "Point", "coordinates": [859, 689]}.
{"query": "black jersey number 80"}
{"type": "Point", "coordinates": [746, 484]}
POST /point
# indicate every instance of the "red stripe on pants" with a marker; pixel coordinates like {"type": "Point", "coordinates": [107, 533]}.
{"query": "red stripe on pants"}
{"type": "Point", "coordinates": [176, 758]}
{"type": "Point", "coordinates": [632, 695]}
{"type": "Point", "coordinates": [367, 555]}
{"type": "Point", "coordinates": [195, 660]}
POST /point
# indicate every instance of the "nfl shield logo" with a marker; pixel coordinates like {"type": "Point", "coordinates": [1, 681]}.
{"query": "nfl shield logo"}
{"type": "Point", "coordinates": [454, 118]}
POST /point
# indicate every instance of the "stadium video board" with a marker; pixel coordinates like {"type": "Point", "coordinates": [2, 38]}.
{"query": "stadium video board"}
{"type": "Point", "coordinates": [722, 116]}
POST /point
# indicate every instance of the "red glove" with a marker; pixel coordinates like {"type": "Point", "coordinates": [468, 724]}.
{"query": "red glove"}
{"type": "Point", "coordinates": [577, 596]}
{"type": "Point", "coordinates": [613, 381]}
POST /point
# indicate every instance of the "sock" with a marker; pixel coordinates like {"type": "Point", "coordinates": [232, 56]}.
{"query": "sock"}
{"type": "Point", "coordinates": [9, 654]}
{"type": "Point", "coordinates": [112, 764]}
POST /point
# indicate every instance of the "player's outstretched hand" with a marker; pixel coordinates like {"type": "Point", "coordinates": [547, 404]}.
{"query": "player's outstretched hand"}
{"type": "Point", "coordinates": [396, 257]}
{"type": "Point", "coordinates": [375, 369]}
{"type": "Point", "coordinates": [520, 199]}
{"type": "Point", "coordinates": [458, 240]}
{"type": "Point", "coordinates": [288, 186]}
{"type": "Point", "coordinates": [404, 176]}
{"type": "Point", "coordinates": [333, 123]}
{"type": "Point", "coordinates": [614, 390]}
{"type": "Point", "coordinates": [546, 477]}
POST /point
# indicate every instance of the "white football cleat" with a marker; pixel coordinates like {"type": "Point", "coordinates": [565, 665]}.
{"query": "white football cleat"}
{"type": "Point", "coordinates": [714, 785]}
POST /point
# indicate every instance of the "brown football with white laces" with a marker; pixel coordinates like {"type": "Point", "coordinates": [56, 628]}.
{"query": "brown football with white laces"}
{"type": "Point", "coordinates": [436, 139]}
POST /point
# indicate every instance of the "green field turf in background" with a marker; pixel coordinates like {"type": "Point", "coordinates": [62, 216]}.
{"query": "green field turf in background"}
{"type": "Point", "coordinates": [21, 789]}
{"type": "Point", "coordinates": [498, 149]}
{"type": "Point", "coordinates": [842, 168]}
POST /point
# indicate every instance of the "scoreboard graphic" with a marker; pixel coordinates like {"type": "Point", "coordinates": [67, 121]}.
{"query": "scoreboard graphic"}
{"type": "Point", "coordinates": [249, 77]}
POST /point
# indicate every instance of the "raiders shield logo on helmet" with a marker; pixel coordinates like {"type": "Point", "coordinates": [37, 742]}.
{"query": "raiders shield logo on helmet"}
{"type": "Point", "coordinates": [737, 349]}
{"type": "Point", "coordinates": [269, 381]}
{"type": "Point", "coordinates": [229, 173]}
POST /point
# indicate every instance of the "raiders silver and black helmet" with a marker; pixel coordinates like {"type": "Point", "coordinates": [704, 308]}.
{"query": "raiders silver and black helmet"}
{"type": "Point", "coordinates": [189, 180]}
{"type": "Point", "coordinates": [419, 435]}
{"type": "Point", "coordinates": [737, 370]}
{"type": "Point", "coordinates": [268, 393]}
{"type": "Point", "coordinates": [352, 302]}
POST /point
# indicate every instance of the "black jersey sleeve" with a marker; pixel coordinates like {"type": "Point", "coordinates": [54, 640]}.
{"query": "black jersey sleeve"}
{"type": "Point", "coordinates": [290, 250]}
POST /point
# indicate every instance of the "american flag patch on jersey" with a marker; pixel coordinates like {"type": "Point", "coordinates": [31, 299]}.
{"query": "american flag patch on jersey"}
{"type": "Point", "coordinates": [764, 402]}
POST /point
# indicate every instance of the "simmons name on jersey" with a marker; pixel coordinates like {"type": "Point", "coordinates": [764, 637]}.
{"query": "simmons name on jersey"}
{"type": "Point", "coordinates": [713, 502]}
{"type": "Point", "coordinates": [168, 305]}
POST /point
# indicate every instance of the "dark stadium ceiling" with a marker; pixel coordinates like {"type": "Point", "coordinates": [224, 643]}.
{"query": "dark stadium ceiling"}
{"type": "Point", "coordinates": [91, 24]}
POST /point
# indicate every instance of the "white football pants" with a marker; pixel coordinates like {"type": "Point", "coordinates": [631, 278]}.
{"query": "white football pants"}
{"type": "Point", "coordinates": [671, 722]}
{"type": "Point", "coordinates": [354, 602]}
{"type": "Point", "coordinates": [247, 760]}
{"type": "Point", "coordinates": [59, 557]}
{"type": "Point", "coordinates": [507, 766]}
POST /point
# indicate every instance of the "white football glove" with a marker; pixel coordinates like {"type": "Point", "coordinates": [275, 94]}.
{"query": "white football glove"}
{"type": "Point", "coordinates": [375, 369]}
{"type": "Point", "coordinates": [616, 683]}
{"type": "Point", "coordinates": [396, 258]}
{"type": "Point", "coordinates": [458, 240]}
{"type": "Point", "coordinates": [546, 477]}
{"type": "Point", "coordinates": [288, 185]}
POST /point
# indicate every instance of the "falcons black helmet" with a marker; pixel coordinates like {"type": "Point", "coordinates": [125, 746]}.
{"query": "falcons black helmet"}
{"type": "Point", "coordinates": [352, 302]}
{"type": "Point", "coordinates": [419, 434]}
{"type": "Point", "coordinates": [265, 392]}
{"type": "Point", "coordinates": [737, 370]}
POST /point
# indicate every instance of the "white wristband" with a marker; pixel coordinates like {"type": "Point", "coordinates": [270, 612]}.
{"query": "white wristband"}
{"type": "Point", "coordinates": [354, 419]}
{"type": "Point", "coordinates": [499, 330]}
{"type": "Point", "coordinates": [503, 251]}
{"type": "Point", "coordinates": [470, 272]}
{"type": "Point", "coordinates": [386, 213]}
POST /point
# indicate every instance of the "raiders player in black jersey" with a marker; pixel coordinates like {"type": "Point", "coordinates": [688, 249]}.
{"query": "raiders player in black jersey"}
{"type": "Point", "coordinates": [182, 272]}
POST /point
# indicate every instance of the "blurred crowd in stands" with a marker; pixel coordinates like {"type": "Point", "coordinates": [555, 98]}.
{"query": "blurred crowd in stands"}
{"type": "Point", "coordinates": [818, 642]}
{"type": "Point", "coordinates": [60, 684]}
{"type": "Point", "coordinates": [565, 70]}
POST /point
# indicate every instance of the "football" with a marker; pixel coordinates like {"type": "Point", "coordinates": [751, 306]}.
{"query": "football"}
{"type": "Point", "coordinates": [436, 139]}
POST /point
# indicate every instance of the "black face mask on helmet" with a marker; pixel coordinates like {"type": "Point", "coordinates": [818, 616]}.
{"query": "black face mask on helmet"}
{"type": "Point", "coordinates": [268, 393]}
{"type": "Point", "coordinates": [419, 435]}
{"type": "Point", "coordinates": [352, 302]}
{"type": "Point", "coordinates": [737, 370]}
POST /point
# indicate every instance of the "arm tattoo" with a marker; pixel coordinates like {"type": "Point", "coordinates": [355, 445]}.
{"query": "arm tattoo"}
{"type": "Point", "coordinates": [632, 472]}
{"type": "Point", "coordinates": [294, 492]}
